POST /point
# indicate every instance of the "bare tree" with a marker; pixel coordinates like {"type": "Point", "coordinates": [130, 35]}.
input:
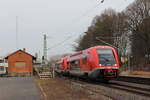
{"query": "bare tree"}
{"type": "Point", "coordinates": [138, 24]}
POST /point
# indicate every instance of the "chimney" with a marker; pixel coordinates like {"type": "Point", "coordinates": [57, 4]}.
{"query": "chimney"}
{"type": "Point", "coordinates": [24, 49]}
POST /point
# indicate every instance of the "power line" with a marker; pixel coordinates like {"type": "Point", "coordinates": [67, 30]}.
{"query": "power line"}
{"type": "Point", "coordinates": [58, 44]}
{"type": "Point", "coordinates": [87, 12]}
{"type": "Point", "coordinates": [105, 42]}
{"type": "Point", "coordinates": [83, 15]}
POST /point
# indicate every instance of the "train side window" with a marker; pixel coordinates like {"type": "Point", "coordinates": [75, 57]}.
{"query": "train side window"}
{"type": "Point", "coordinates": [84, 60]}
{"type": "Point", "coordinates": [75, 64]}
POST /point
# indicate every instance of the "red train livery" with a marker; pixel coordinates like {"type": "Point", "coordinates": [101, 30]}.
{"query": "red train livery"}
{"type": "Point", "coordinates": [96, 62]}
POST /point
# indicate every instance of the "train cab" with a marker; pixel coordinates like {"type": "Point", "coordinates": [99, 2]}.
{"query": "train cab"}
{"type": "Point", "coordinates": [106, 62]}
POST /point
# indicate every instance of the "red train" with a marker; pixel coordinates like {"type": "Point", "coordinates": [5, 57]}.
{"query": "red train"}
{"type": "Point", "coordinates": [99, 62]}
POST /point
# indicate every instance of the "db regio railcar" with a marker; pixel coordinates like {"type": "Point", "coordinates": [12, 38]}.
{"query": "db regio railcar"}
{"type": "Point", "coordinates": [99, 62]}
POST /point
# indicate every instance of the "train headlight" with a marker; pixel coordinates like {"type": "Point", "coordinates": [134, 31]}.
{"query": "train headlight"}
{"type": "Point", "coordinates": [115, 64]}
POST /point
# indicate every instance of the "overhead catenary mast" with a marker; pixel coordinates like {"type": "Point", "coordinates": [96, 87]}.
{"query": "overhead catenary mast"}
{"type": "Point", "coordinates": [45, 49]}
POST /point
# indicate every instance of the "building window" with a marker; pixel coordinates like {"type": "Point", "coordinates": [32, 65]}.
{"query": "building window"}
{"type": "Point", "coordinates": [20, 64]}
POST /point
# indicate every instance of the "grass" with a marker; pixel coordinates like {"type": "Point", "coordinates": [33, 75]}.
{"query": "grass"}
{"type": "Point", "coordinates": [61, 89]}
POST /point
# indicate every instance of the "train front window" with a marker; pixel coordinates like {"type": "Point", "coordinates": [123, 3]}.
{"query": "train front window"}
{"type": "Point", "coordinates": [106, 57]}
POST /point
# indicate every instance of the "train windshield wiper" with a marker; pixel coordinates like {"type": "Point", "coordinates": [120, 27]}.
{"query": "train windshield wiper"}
{"type": "Point", "coordinates": [106, 59]}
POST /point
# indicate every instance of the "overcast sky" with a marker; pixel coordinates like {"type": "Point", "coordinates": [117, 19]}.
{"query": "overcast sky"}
{"type": "Point", "coordinates": [61, 20]}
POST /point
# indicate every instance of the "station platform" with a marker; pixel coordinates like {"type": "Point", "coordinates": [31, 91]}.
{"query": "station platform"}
{"type": "Point", "coordinates": [140, 74]}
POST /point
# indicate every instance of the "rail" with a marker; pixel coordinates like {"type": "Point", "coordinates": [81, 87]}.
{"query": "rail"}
{"type": "Point", "coordinates": [118, 90]}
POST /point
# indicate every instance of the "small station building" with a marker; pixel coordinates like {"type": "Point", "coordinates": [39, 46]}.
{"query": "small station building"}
{"type": "Point", "coordinates": [20, 63]}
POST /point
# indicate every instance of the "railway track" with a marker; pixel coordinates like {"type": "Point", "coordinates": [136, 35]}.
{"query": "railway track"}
{"type": "Point", "coordinates": [138, 80]}
{"type": "Point", "coordinates": [132, 85]}
{"type": "Point", "coordinates": [133, 90]}
{"type": "Point", "coordinates": [143, 90]}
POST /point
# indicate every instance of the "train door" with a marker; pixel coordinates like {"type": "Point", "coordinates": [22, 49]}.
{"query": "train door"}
{"type": "Point", "coordinates": [84, 64]}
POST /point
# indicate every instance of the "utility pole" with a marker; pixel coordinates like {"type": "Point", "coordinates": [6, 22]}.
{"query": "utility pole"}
{"type": "Point", "coordinates": [128, 62]}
